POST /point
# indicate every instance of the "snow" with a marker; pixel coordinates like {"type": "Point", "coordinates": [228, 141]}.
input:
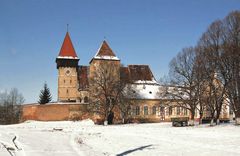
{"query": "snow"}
{"type": "Point", "coordinates": [146, 91]}
{"type": "Point", "coordinates": [106, 57]}
{"type": "Point", "coordinates": [146, 82]}
{"type": "Point", "coordinates": [67, 57]}
{"type": "Point", "coordinates": [84, 138]}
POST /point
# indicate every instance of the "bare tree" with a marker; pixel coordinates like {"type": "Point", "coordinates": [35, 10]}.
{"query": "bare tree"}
{"type": "Point", "coordinates": [201, 86]}
{"type": "Point", "coordinates": [107, 91]}
{"type": "Point", "coordinates": [182, 76]}
{"type": "Point", "coordinates": [10, 106]}
{"type": "Point", "coordinates": [125, 101]}
{"type": "Point", "coordinates": [209, 51]}
{"type": "Point", "coordinates": [230, 62]}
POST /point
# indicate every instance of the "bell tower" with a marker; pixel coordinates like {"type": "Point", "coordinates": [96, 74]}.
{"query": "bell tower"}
{"type": "Point", "coordinates": [67, 65]}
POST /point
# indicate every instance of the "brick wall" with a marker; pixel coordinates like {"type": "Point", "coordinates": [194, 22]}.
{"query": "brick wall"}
{"type": "Point", "coordinates": [54, 112]}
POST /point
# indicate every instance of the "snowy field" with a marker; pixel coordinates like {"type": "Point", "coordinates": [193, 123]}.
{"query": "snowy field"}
{"type": "Point", "coordinates": [84, 138]}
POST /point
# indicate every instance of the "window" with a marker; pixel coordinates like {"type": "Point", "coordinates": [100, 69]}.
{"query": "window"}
{"type": "Point", "coordinates": [170, 110]}
{"type": "Point", "coordinates": [70, 81]}
{"type": "Point", "coordinates": [162, 110]}
{"type": "Point", "coordinates": [85, 99]}
{"type": "Point", "coordinates": [145, 110]}
{"type": "Point", "coordinates": [67, 91]}
{"type": "Point", "coordinates": [129, 110]}
{"type": "Point", "coordinates": [137, 110]}
{"type": "Point", "coordinates": [154, 110]}
{"type": "Point", "coordinates": [184, 111]}
{"type": "Point", "coordinates": [178, 110]}
{"type": "Point", "coordinates": [79, 99]}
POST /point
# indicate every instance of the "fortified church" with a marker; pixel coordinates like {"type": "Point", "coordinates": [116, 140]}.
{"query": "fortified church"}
{"type": "Point", "coordinates": [74, 93]}
{"type": "Point", "coordinates": [73, 79]}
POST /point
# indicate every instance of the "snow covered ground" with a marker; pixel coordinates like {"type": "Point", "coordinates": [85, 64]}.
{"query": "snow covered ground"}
{"type": "Point", "coordinates": [68, 138]}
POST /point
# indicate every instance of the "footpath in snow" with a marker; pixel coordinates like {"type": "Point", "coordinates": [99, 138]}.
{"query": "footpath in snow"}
{"type": "Point", "coordinates": [66, 138]}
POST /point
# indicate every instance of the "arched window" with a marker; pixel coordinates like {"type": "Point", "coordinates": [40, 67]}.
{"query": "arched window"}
{"type": "Point", "coordinates": [154, 110]}
{"type": "Point", "coordinates": [85, 99]}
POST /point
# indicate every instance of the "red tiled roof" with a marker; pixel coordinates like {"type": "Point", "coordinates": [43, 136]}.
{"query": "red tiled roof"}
{"type": "Point", "coordinates": [105, 50]}
{"type": "Point", "coordinates": [128, 74]}
{"type": "Point", "coordinates": [136, 72]}
{"type": "Point", "coordinates": [140, 72]}
{"type": "Point", "coordinates": [67, 49]}
{"type": "Point", "coordinates": [125, 74]}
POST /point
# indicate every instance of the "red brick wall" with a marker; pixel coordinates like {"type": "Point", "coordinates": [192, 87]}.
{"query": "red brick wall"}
{"type": "Point", "coordinates": [54, 112]}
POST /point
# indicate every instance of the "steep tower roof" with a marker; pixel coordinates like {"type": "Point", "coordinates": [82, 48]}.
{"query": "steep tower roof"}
{"type": "Point", "coordinates": [67, 50]}
{"type": "Point", "coordinates": [105, 53]}
{"type": "Point", "coordinates": [105, 50]}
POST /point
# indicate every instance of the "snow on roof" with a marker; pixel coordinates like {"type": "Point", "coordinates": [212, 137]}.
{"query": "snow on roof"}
{"type": "Point", "coordinates": [106, 57]}
{"type": "Point", "coordinates": [153, 90]}
{"type": "Point", "coordinates": [153, 81]}
{"type": "Point", "coordinates": [145, 91]}
{"type": "Point", "coordinates": [67, 57]}
{"type": "Point", "coordinates": [175, 92]}
{"type": "Point", "coordinates": [105, 52]}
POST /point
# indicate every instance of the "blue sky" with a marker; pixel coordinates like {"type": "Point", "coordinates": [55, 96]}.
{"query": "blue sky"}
{"type": "Point", "coordinates": [139, 32]}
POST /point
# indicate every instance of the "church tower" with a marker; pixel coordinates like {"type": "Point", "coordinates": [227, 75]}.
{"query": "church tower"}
{"type": "Point", "coordinates": [67, 65]}
{"type": "Point", "coordinates": [105, 58]}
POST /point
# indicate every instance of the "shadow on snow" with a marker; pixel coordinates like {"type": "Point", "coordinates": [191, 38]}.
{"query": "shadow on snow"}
{"type": "Point", "coordinates": [133, 150]}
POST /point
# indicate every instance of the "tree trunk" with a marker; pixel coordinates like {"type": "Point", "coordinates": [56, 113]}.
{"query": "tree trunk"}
{"type": "Point", "coordinates": [200, 118]}
{"type": "Point", "coordinates": [237, 120]}
{"type": "Point", "coordinates": [191, 121]}
{"type": "Point", "coordinates": [123, 120]}
{"type": "Point", "coordinates": [237, 117]}
{"type": "Point", "coordinates": [212, 122]}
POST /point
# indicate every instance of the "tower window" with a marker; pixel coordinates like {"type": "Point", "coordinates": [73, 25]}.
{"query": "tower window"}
{"type": "Point", "coordinates": [63, 81]}
{"type": "Point", "coordinates": [85, 99]}
{"type": "Point", "coordinates": [70, 81]}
